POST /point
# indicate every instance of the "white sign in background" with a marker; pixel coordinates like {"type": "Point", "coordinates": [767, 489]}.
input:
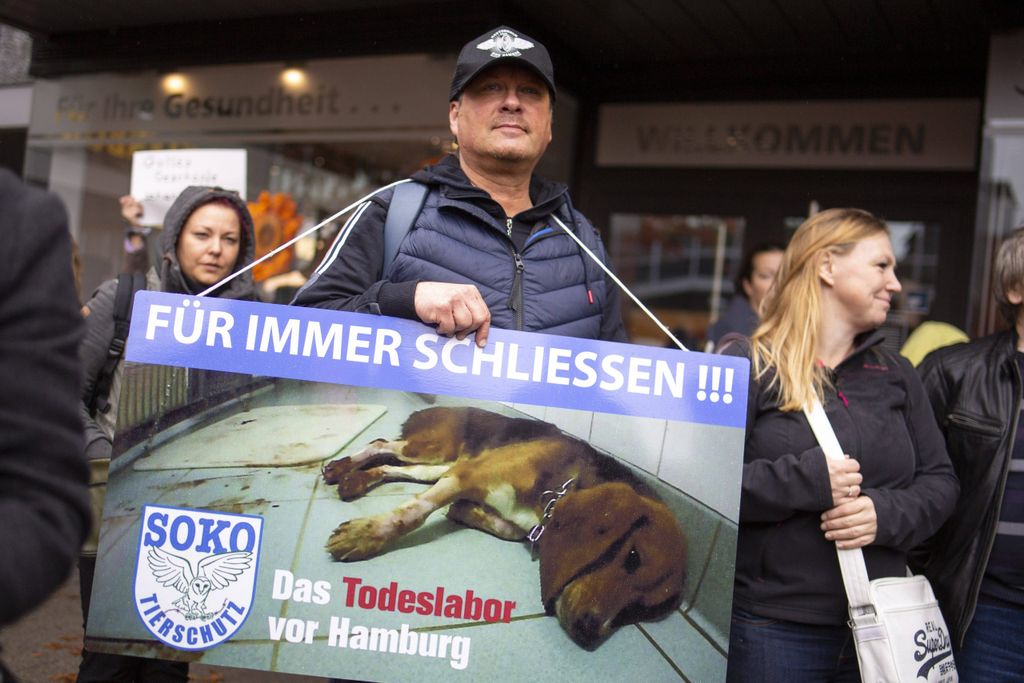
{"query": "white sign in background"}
{"type": "Point", "coordinates": [899, 134]}
{"type": "Point", "coordinates": [158, 177]}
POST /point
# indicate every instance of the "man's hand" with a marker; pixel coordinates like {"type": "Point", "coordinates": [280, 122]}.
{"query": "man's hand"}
{"type": "Point", "coordinates": [851, 525]}
{"type": "Point", "coordinates": [131, 210]}
{"type": "Point", "coordinates": [455, 309]}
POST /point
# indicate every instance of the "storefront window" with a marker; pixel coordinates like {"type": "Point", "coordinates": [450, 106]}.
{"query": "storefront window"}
{"type": "Point", "coordinates": [679, 265]}
{"type": "Point", "coordinates": [1000, 208]}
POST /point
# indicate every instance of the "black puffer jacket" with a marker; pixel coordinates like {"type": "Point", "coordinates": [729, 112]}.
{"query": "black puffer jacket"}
{"type": "Point", "coordinates": [462, 235]}
{"type": "Point", "coordinates": [785, 568]}
{"type": "Point", "coordinates": [975, 392]}
{"type": "Point", "coordinates": [167, 277]}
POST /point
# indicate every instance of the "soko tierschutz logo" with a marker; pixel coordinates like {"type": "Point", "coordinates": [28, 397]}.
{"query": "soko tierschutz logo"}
{"type": "Point", "coordinates": [195, 577]}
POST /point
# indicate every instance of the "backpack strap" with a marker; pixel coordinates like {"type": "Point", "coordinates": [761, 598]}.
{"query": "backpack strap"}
{"type": "Point", "coordinates": [406, 203]}
{"type": "Point", "coordinates": [127, 285]}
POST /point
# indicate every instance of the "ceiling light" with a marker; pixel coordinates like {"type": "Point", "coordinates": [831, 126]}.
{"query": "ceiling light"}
{"type": "Point", "coordinates": [174, 82]}
{"type": "Point", "coordinates": [293, 76]}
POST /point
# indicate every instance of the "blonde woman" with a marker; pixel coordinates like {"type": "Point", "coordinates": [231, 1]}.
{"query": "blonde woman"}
{"type": "Point", "coordinates": [818, 339]}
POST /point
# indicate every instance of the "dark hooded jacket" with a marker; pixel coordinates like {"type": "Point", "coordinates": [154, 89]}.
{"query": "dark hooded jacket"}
{"type": "Point", "coordinates": [165, 277]}
{"type": "Point", "coordinates": [191, 198]}
{"type": "Point", "coordinates": [530, 273]}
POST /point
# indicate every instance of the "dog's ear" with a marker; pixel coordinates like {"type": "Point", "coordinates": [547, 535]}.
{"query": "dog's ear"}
{"type": "Point", "coordinates": [661, 547]}
{"type": "Point", "coordinates": [584, 527]}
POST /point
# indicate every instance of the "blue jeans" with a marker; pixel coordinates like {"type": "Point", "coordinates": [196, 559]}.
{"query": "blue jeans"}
{"type": "Point", "coordinates": [763, 650]}
{"type": "Point", "coordinates": [992, 651]}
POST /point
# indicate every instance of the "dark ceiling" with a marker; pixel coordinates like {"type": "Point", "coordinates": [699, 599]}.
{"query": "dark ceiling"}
{"type": "Point", "coordinates": [606, 49]}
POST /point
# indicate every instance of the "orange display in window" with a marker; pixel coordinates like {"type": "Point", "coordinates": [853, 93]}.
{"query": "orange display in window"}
{"type": "Point", "coordinates": [275, 222]}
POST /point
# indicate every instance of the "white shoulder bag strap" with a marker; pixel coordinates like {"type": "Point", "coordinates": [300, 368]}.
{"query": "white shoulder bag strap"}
{"type": "Point", "coordinates": [851, 562]}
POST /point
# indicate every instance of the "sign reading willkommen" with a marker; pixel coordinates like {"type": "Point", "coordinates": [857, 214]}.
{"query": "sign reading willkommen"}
{"type": "Point", "coordinates": [353, 496]}
{"type": "Point", "coordinates": [893, 134]}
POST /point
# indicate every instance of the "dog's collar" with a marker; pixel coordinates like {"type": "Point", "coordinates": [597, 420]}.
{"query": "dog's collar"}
{"type": "Point", "coordinates": [548, 500]}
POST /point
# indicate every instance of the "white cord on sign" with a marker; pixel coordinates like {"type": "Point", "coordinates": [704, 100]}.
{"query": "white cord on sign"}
{"type": "Point", "coordinates": [356, 203]}
{"type": "Point", "coordinates": [295, 239]}
{"type": "Point", "coordinates": [619, 282]}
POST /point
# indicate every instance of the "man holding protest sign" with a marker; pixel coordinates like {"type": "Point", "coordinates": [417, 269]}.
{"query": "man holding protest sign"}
{"type": "Point", "coordinates": [484, 240]}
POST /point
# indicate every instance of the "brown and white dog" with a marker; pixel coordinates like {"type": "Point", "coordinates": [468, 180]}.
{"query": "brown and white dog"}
{"type": "Point", "coordinates": [611, 552]}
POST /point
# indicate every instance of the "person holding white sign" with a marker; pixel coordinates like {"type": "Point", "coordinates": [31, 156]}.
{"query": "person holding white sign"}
{"type": "Point", "coordinates": [207, 235]}
{"type": "Point", "coordinates": [486, 241]}
{"type": "Point", "coordinates": [818, 339]}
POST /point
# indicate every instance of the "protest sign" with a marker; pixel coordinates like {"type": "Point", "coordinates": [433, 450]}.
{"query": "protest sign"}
{"type": "Point", "coordinates": [159, 176]}
{"type": "Point", "coordinates": [270, 503]}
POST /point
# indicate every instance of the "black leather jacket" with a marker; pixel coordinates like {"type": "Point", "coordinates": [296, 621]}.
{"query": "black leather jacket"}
{"type": "Point", "coordinates": [975, 391]}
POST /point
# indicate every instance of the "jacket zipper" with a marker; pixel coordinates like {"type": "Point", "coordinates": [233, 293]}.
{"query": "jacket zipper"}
{"type": "Point", "coordinates": [846, 407]}
{"type": "Point", "coordinates": [972, 604]}
{"type": "Point", "coordinates": [515, 298]}
{"type": "Point", "coordinates": [973, 424]}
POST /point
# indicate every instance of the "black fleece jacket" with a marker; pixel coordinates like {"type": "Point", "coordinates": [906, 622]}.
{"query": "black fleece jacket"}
{"type": "Point", "coordinates": [785, 568]}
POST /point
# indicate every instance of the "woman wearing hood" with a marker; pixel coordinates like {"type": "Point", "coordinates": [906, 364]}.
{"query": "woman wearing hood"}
{"type": "Point", "coordinates": [207, 235]}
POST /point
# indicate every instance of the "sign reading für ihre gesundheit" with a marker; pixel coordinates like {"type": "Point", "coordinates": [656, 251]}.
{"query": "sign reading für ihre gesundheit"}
{"type": "Point", "coordinates": [354, 496]}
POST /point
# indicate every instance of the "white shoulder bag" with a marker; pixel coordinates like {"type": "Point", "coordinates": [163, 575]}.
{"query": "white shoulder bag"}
{"type": "Point", "coordinates": [898, 630]}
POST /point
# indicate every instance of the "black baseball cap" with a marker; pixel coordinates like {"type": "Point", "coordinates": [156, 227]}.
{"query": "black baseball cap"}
{"type": "Point", "coordinates": [501, 45]}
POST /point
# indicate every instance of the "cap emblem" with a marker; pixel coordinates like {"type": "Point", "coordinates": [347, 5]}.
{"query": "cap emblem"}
{"type": "Point", "coordinates": [505, 43]}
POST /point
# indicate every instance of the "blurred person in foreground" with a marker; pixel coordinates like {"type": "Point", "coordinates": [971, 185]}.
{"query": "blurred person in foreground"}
{"type": "Point", "coordinates": [818, 339]}
{"type": "Point", "coordinates": [976, 562]}
{"type": "Point", "coordinates": [755, 278]}
{"type": "Point", "coordinates": [207, 235]}
{"type": "Point", "coordinates": [44, 504]}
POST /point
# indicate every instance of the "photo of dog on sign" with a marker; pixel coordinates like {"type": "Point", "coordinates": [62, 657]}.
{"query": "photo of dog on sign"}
{"type": "Point", "coordinates": [610, 551]}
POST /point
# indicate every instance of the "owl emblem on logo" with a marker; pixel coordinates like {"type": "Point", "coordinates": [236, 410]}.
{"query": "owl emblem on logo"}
{"type": "Point", "coordinates": [213, 572]}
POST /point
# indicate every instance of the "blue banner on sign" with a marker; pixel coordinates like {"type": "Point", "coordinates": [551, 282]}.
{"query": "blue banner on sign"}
{"type": "Point", "coordinates": [366, 350]}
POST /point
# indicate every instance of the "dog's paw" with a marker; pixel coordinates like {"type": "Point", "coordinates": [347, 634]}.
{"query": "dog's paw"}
{"type": "Point", "coordinates": [359, 539]}
{"type": "Point", "coordinates": [336, 469]}
{"type": "Point", "coordinates": [357, 482]}
{"type": "Point", "coordinates": [374, 449]}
